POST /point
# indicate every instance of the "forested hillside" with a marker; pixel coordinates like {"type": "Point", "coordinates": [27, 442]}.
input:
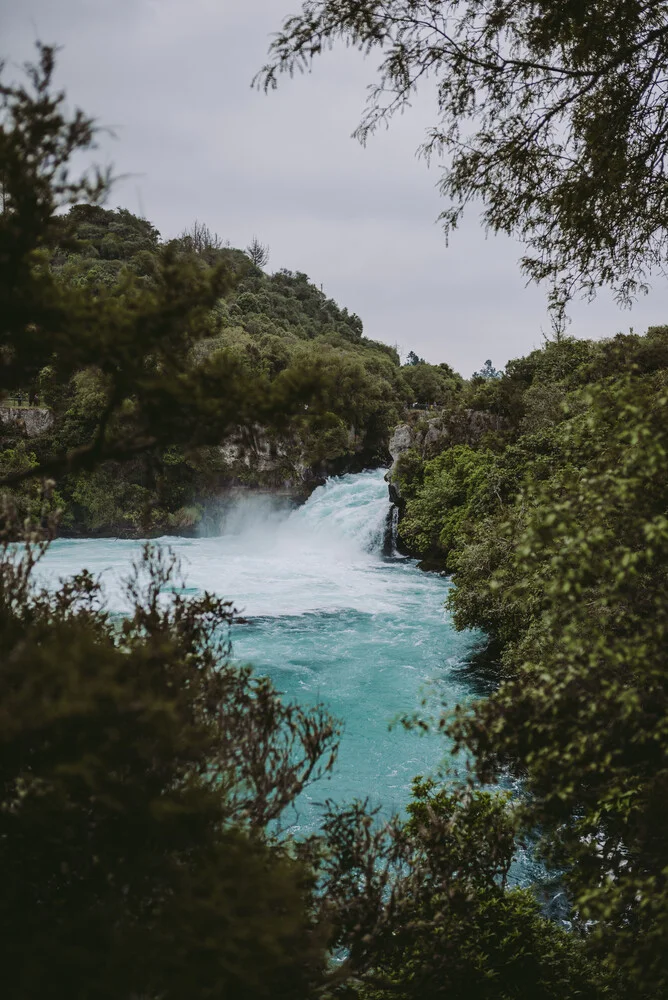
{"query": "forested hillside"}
{"type": "Point", "coordinates": [277, 329]}
{"type": "Point", "coordinates": [527, 412]}
{"type": "Point", "coordinates": [555, 528]}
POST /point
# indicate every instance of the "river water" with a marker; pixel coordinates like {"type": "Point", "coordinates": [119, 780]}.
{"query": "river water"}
{"type": "Point", "coordinates": [329, 618]}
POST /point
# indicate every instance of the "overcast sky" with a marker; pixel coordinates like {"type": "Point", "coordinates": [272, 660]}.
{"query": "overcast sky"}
{"type": "Point", "coordinates": [194, 141]}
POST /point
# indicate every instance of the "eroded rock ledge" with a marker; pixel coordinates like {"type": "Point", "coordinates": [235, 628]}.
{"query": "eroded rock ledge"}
{"type": "Point", "coordinates": [431, 435]}
{"type": "Point", "coordinates": [26, 421]}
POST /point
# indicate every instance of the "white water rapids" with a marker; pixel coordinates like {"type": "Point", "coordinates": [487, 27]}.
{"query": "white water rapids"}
{"type": "Point", "coordinates": [329, 619]}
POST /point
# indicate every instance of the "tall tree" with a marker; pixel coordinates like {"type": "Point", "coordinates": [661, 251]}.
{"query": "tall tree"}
{"type": "Point", "coordinates": [139, 770]}
{"type": "Point", "coordinates": [553, 114]}
{"type": "Point", "coordinates": [258, 253]}
{"type": "Point", "coordinates": [199, 239]}
{"type": "Point", "coordinates": [413, 359]}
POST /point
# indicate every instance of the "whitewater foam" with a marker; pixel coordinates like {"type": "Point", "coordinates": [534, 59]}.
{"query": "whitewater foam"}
{"type": "Point", "coordinates": [328, 618]}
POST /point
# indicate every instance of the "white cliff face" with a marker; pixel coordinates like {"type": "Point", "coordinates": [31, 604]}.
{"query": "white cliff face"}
{"type": "Point", "coordinates": [401, 441]}
{"type": "Point", "coordinates": [29, 422]}
{"type": "Point", "coordinates": [255, 459]}
{"type": "Point", "coordinates": [433, 435]}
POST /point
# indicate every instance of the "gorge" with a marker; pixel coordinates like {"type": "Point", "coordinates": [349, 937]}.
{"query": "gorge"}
{"type": "Point", "coordinates": [328, 617]}
{"type": "Point", "coordinates": [331, 618]}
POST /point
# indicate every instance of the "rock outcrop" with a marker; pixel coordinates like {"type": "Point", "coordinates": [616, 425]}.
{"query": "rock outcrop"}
{"type": "Point", "coordinates": [26, 421]}
{"type": "Point", "coordinates": [432, 435]}
{"type": "Point", "coordinates": [257, 460]}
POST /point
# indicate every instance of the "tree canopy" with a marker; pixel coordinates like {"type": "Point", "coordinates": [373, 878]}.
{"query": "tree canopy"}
{"type": "Point", "coordinates": [136, 325]}
{"type": "Point", "coordinates": [138, 772]}
{"type": "Point", "coordinates": [555, 529]}
{"type": "Point", "coordinates": [553, 115]}
{"type": "Point", "coordinates": [143, 347]}
{"type": "Point", "coordinates": [265, 336]}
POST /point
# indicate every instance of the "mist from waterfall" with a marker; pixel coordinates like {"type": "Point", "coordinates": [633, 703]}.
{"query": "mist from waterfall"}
{"type": "Point", "coordinates": [328, 617]}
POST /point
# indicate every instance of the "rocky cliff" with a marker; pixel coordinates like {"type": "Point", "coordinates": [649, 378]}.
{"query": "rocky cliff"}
{"type": "Point", "coordinates": [431, 435]}
{"type": "Point", "coordinates": [26, 421]}
{"type": "Point", "coordinates": [256, 460]}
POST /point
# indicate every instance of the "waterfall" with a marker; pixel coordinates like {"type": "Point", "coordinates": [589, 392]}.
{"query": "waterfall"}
{"type": "Point", "coordinates": [350, 509]}
{"type": "Point", "coordinates": [391, 529]}
{"type": "Point", "coordinates": [330, 616]}
{"type": "Point", "coordinates": [269, 559]}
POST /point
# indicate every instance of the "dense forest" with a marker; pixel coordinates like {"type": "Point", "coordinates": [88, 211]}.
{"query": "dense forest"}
{"type": "Point", "coordinates": [554, 528]}
{"type": "Point", "coordinates": [277, 326]}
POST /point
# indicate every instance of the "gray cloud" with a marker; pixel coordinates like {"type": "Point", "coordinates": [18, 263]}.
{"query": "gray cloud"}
{"type": "Point", "coordinates": [194, 141]}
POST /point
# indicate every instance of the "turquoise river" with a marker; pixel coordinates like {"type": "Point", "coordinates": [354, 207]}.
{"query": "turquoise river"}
{"type": "Point", "coordinates": [330, 618]}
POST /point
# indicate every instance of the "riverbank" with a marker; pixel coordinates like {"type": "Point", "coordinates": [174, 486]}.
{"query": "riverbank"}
{"type": "Point", "coordinates": [328, 617]}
